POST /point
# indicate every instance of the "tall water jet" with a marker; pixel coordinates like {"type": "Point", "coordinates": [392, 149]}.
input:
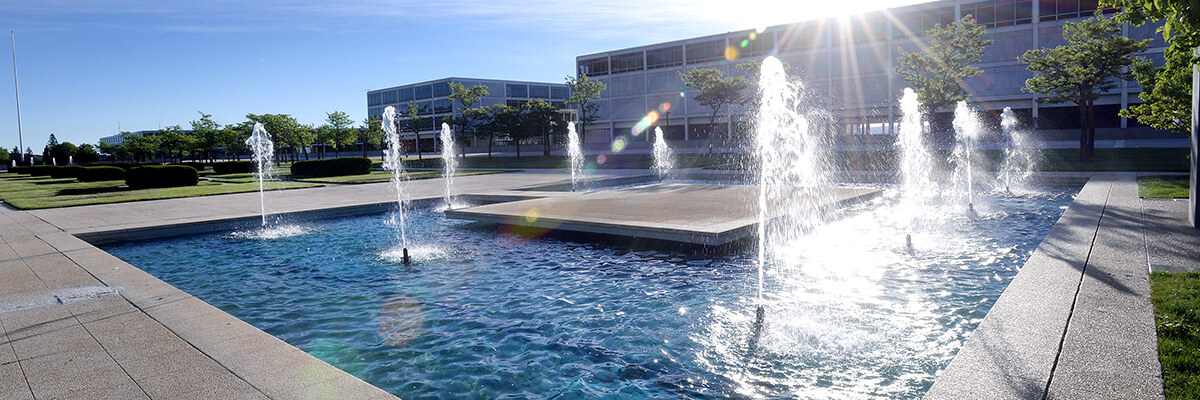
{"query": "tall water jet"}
{"type": "Point", "coordinates": [393, 160]}
{"type": "Point", "coordinates": [966, 130]}
{"type": "Point", "coordinates": [1019, 157]}
{"type": "Point", "coordinates": [449, 162]}
{"type": "Point", "coordinates": [917, 186]}
{"type": "Point", "coordinates": [793, 166]}
{"type": "Point", "coordinates": [575, 154]}
{"type": "Point", "coordinates": [664, 161]}
{"type": "Point", "coordinates": [261, 150]}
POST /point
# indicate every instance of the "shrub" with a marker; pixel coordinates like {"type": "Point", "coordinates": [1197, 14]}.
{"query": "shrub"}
{"type": "Point", "coordinates": [102, 173]}
{"type": "Point", "coordinates": [41, 170]}
{"type": "Point", "coordinates": [19, 170]}
{"type": "Point", "coordinates": [124, 166]}
{"type": "Point", "coordinates": [232, 167]}
{"type": "Point", "coordinates": [160, 176]}
{"type": "Point", "coordinates": [332, 167]}
{"type": "Point", "coordinates": [196, 165]}
{"type": "Point", "coordinates": [65, 171]}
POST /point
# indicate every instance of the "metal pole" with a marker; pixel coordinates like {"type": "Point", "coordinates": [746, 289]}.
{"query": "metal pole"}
{"type": "Point", "coordinates": [17, 90]}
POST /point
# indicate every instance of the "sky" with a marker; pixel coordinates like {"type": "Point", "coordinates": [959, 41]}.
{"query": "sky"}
{"type": "Point", "coordinates": [89, 69]}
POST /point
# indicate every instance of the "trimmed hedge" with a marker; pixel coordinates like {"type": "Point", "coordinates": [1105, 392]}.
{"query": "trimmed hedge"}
{"type": "Point", "coordinates": [332, 167]}
{"type": "Point", "coordinates": [41, 170]}
{"type": "Point", "coordinates": [196, 165]}
{"type": "Point", "coordinates": [232, 167]}
{"type": "Point", "coordinates": [102, 173]}
{"type": "Point", "coordinates": [65, 171]}
{"type": "Point", "coordinates": [161, 176]}
{"type": "Point", "coordinates": [125, 166]}
{"type": "Point", "coordinates": [19, 170]}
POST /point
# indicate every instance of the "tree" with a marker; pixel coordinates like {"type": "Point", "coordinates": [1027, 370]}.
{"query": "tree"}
{"type": "Point", "coordinates": [584, 94]}
{"type": "Point", "coordinates": [466, 99]}
{"type": "Point", "coordinates": [174, 143]}
{"type": "Point", "coordinates": [715, 91]}
{"type": "Point", "coordinates": [305, 135]}
{"type": "Point", "coordinates": [207, 134]}
{"type": "Point", "coordinates": [86, 154]}
{"type": "Point", "coordinates": [139, 147]}
{"type": "Point", "coordinates": [414, 125]}
{"type": "Point", "coordinates": [538, 119]}
{"type": "Point", "coordinates": [233, 138]}
{"type": "Point", "coordinates": [337, 131]}
{"type": "Point", "coordinates": [16, 154]}
{"type": "Point", "coordinates": [500, 119]}
{"type": "Point", "coordinates": [937, 72]}
{"type": "Point", "coordinates": [4, 156]}
{"type": "Point", "coordinates": [1094, 60]}
{"type": "Point", "coordinates": [284, 131]}
{"type": "Point", "coordinates": [371, 131]}
{"type": "Point", "coordinates": [52, 142]}
{"type": "Point", "coordinates": [1166, 90]}
{"type": "Point", "coordinates": [62, 152]}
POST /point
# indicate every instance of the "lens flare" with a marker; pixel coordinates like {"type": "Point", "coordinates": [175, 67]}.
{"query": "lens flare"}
{"type": "Point", "coordinates": [648, 120]}
{"type": "Point", "coordinates": [617, 145]}
{"type": "Point", "coordinates": [731, 53]}
{"type": "Point", "coordinates": [532, 215]}
{"type": "Point", "coordinates": [745, 42]}
{"type": "Point", "coordinates": [664, 107]}
{"type": "Point", "coordinates": [753, 36]}
{"type": "Point", "coordinates": [601, 159]}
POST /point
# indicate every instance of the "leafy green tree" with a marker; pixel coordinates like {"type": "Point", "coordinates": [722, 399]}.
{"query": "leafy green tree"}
{"type": "Point", "coordinates": [467, 99]}
{"type": "Point", "coordinates": [715, 91]}
{"type": "Point", "coordinates": [233, 138]}
{"type": "Point", "coordinates": [139, 147]}
{"type": "Point", "coordinates": [337, 132]}
{"type": "Point", "coordinates": [305, 135]}
{"type": "Point", "coordinates": [539, 118]}
{"type": "Point", "coordinates": [500, 120]}
{"type": "Point", "coordinates": [62, 152]}
{"type": "Point", "coordinates": [174, 143]}
{"type": "Point", "coordinates": [937, 72]}
{"type": "Point", "coordinates": [207, 134]}
{"type": "Point", "coordinates": [5, 156]}
{"type": "Point", "coordinates": [1094, 60]}
{"type": "Point", "coordinates": [370, 132]}
{"type": "Point", "coordinates": [284, 130]}
{"type": "Point", "coordinates": [1166, 90]}
{"type": "Point", "coordinates": [86, 154]}
{"type": "Point", "coordinates": [413, 124]}
{"type": "Point", "coordinates": [584, 93]}
{"type": "Point", "coordinates": [52, 142]}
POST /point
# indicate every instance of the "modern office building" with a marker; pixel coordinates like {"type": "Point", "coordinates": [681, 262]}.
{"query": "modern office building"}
{"type": "Point", "coordinates": [433, 103]}
{"type": "Point", "coordinates": [848, 62]}
{"type": "Point", "coordinates": [120, 138]}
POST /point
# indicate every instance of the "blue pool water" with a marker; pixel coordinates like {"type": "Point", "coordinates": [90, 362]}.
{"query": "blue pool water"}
{"type": "Point", "coordinates": [487, 312]}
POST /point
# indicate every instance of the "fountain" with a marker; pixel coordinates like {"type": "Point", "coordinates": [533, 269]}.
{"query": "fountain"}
{"type": "Point", "coordinates": [261, 147]}
{"type": "Point", "coordinates": [792, 170]}
{"type": "Point", "coordinates": [393, 161]}
{"type": "Point", "coordinates": [966, 128]}
{"type": "Point", "coordinates": [917, 186]}
{"type": "Point", "coordinates": [575, 153]}
{"type": "Point", "coordinates": [663, 160]}
{"type": "Point", "coordinates": [70, 160]}
{"type": "Point", "coordinates": [450, 163]}
{"type": "Point", "coordinates": [1019, 158]}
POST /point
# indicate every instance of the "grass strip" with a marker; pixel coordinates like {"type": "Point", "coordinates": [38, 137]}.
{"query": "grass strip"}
{"type": "Point", "coordinates": [31, 193]}
{"type": "Point", "coordinates": [1164, 186]}
{"type": "Point", "coordinates": [1176, 298]}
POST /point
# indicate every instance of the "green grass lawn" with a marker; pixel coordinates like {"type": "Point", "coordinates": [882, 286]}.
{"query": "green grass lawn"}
{"type": "Point", "coordinates": [1176, 298]}
{"type": "Point", "coordinates": [384, 176]}
{"type": "Point", "coordinates": [1164, 186]}
{"type": "Point", "coordinates": [29, 193]}
{"type": "Point", "coordinates": [233, 178]}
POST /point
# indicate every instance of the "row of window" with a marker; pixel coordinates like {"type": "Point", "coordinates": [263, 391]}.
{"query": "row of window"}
{"type": "Point", "coordinates": [536, 91]}
{"type": "Point", "coordinates": [442, 89]}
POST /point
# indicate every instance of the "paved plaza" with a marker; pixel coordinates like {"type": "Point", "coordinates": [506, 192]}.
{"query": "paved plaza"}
{"type": "Point", "coordinates": [1076, 322]}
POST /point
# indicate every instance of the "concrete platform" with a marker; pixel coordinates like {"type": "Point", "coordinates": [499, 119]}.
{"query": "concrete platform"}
{"type": "Point", "coordinates": [709, 215]}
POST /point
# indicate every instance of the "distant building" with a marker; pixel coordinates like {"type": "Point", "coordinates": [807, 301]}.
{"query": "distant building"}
{"type": "Point", "coordinates": [119, 138]}
{"type": "Point", "coordinates": [432, 101]}
{"type": "Point", "coordinates": [849, 62]}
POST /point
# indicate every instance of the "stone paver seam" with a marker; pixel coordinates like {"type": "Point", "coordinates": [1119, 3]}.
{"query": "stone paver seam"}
{"type": "Point", "coordinates": [16, 359]}
{"type": "Point", "coordinates": [139, 308]}
{"type": "Point", "coordinates": [1078, 287]}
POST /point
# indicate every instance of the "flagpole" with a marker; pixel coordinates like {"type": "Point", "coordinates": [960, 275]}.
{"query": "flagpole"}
{"type": "Point", "coordinates": [17, 90]}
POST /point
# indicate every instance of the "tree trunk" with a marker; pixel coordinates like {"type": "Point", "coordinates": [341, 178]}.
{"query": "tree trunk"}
{"type": "Point", "coordinates": [418, 134]}
{"type": "Point", "coordinates": [545, 142]}
{"type": "Point", "coordinates": [491, 138]}
{"type": "Point", "coordinates": [518, 140]}
{"type": "Point", "coordinates": [1083, 132]}
{"type": "Point", "coordinates": [1091, 129]}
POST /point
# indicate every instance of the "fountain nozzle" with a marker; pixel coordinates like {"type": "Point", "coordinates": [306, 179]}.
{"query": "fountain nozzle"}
{"type": "Point", "coordinates": [971, 206]}
{"type": "Point", "coordinates": [404, 258]}
{"type": "Point", "coordinates": [1006, 191]}
{"type": "Point", "coordinates": [908, 240]}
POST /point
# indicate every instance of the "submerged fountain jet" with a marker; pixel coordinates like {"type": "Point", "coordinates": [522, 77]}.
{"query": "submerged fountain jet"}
{"type": "Point", "coordinates": [966, 128]}
{"type": "Point", "coordinates": [449, 162]}
{"type": "Point", "coordinates": [393, 161]}
{"type": "Point", "coordinates": [575, 153]}
{"type": "Point", "coordinates": [262, 149]}
{"type": "Point", "coordinates": [916, 163]}
{"type": "Point", "coordinates": [1019, 156]}
{"type": "Point", "coordinates": [663, 160]}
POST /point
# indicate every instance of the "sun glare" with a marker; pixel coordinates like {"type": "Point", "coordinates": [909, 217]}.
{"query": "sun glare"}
{"type": "Point", "coordinates": [774, 12]}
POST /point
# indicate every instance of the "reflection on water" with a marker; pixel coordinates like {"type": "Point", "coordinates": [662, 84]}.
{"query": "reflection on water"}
{"type": "Point", "coordinates": [850, 311]}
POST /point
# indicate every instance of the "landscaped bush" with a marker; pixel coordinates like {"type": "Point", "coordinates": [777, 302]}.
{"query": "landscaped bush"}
{"type": "Point", "coordinates": [232, 167]}
{"type": "Point", "coordinates": [18, 170]}
{"type": "Point", "coordinates": [160, 176]}
{"type": "Point", "coordinates": [102, 173]}
{"type": "Point", "coordinates": [196, 165]}
{"type": "Point", "coordinates": [332, 167]}
{"type": "Point", "coordinates": [41, 170]}
{"type": "Point", "coordinates": [65, 171]}
{"type": "Point", "coordinates": [124, 166]}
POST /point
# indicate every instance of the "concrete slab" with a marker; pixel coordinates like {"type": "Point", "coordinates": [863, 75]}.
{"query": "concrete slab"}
{"type": "Point", "coordinates": [710, 215]}
{"type": "Point", "coordinates": [1171, 239]}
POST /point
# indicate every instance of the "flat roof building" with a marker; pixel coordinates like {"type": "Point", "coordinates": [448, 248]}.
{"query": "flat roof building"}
{"type": "Point", "coordinates": [848, 62]}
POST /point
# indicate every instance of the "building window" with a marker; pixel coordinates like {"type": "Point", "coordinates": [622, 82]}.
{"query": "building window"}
{"type": "Point", "coordinates": [761, 45]}
{"type": "Point", "coordinates": [424, 92]}
{"type": "Point", "coordinates": [516, 103]}
{"type": "Point", "coordinates": [425, 108]}
{"type": "Point", "coordinates": [627, 62]}
{"type": "Point", "coordinates": [389, 97]}
{"type": "Point", "coordinates": [594, 67]}
{"type": "Point", "coordinates": [441, 89]}
{"type": "Point", "coordinates": [374, 112]}
{"type": "Point", "coordinates": [801, 37]}
{"type": "Point", "coordinates": [374, 99]}
{"type": "Point", "coordinates": [664, 57]}
{"type": "Point", "coordinates": [442, 106]}
{"type": "Point", "coordinates": [539, 92]}
{"type": "Point", "coordinates": [703, 52]}
{"type": "Point", "coordinates": [864, 28]}
{"type": "Point", "coordinates": [917, 22]}
{"type": "Point", "coordinates": [406, 94]}
{"type": "Point", "coordinates": [516, 90]}
{"type": "Point", "coordinates": [1065, 9]}
{"type": "Point", "coordinates": [559, 92]}
{"type": "Point", "coordinates": [997, 13]}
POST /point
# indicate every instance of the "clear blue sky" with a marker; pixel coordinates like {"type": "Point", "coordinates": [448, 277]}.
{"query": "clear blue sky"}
{"type": "Point", "coordinates": [85, 66]}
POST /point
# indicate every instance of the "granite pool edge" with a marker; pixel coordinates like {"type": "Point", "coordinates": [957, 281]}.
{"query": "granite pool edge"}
{"type": "Point", "coordinates": [1076, 322]}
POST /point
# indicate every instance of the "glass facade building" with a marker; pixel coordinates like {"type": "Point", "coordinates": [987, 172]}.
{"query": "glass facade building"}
{"type": "Point", "coordinates": [849, 63]}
